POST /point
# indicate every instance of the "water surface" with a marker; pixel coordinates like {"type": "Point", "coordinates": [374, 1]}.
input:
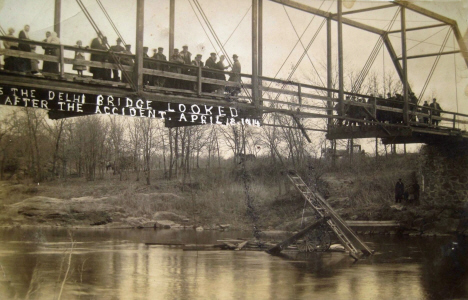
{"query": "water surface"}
{"type": "Point", "coordinates": [116, 264]}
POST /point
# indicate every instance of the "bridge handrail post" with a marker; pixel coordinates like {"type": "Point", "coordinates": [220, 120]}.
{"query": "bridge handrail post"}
{"type": "Point", "coordinates": [62, 61]}
{"type": "Point", "coordinates": [454, 121]}
{"type": "Point", "coordinates": [299, 93]}
{"type": "Point", "coordinates": [374, 107]}
{"type": "Point", "coordinates": [199, 81]}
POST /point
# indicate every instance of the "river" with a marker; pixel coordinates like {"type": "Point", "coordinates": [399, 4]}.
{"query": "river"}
{"type": "Point", "coordinates": [116, 264]}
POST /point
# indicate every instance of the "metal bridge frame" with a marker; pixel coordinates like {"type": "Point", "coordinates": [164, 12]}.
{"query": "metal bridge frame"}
{"type": "Point", "coordinates": [257, 77]}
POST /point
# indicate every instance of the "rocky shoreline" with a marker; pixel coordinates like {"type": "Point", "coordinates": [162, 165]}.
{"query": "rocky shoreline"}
{"type": "Point", "coordinates": [163, 210]}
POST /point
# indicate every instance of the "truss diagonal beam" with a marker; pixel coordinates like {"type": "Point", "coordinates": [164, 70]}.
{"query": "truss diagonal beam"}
{"type": "Point", "coordinates": [425, 12]}
{"type": "Point", "coordinates": [440, 18]}
{"type": "Point", "coordinates": [393, 56]}
{"type": "Point", "coordinates": [461, 42]}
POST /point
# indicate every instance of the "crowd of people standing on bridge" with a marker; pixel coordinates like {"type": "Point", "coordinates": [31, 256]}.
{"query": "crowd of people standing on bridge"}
{"type": "Point", "coordinates": [179, 62]}
{"type": "Point", "coordinates": [28, 65]}
{"type": "Point", "coordinates": [357, 114]}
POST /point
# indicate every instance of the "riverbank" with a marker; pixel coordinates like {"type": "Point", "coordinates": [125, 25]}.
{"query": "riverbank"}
{"type": "Point", "coordinates": [217, 201]}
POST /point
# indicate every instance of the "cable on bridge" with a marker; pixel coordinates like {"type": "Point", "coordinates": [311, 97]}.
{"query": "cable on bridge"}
{"type": "Point", "coordinates": [110, 21]}
{"type": "Point", "coordinates": [292, 50]}
{"type": "Point", "coordinates": [218, 41]}
{"type": "Point", "coordinates": [434, 65]}
{"type": "Point", "coordinates": [201, 24]}
{"type": "Point", "coordinates": [306, 51]}
{"type": "Point", "coordinates": [100, 35]}
{"type": "Point", "coordinates": [372, 57]}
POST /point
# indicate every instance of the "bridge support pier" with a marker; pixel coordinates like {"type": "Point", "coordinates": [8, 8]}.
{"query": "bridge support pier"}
{"type": "Point", "coordinates": [444, 170]}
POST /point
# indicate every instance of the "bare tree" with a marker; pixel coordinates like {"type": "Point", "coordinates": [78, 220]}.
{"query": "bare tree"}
{"type": "Point", "coordinates": [148, 131]}
{"type": "Point", "coordinates": [56, 131]}
{"type": "Point", "coordinates": [116, 141]}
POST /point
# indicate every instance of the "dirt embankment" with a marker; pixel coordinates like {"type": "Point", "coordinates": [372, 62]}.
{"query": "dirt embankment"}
{"type": "Point", "coordinates": [116, 204]}
{"type": "Point", "coordinates": [95, 205]}
{"type": "Point", "coordinates": [370, 198]}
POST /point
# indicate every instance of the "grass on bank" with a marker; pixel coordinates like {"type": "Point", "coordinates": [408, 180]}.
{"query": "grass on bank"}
{"type": "Point", "coordinates": [212, 196]}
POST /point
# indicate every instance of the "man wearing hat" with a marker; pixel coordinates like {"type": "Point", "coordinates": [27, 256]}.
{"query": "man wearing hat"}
{"type": "Point", "coordinates": [116, 48]}
{"type": "Point", "coordinates": [426, 110]}
{"type": "Point", "coordinates": [235, 76]}
{"type": "Point", "coordinates": [158, 80]}
{"type": "Point", "coordinates": [146, 65]}
{"type": "Point", "coordinates": [435, 111]}
{"type": "Point", "coordinates": [187, 58]}
{"type": "Point", "coordinates": [175, 58]}
{"type": "Point", "coordinates": [186, 55]}
{"type": "Point", "coordinates": [194, 71]}
{"type": "Point", "coordinates": [198, 62]}
{"type": "Point", "coordinates": [127, 61]}
{"type": "Point", "coordinates": [413, 105]}
{"type": "Point", "coordinates": [210, 63]}
{"type": "Point", "coordinates": [399, 191]}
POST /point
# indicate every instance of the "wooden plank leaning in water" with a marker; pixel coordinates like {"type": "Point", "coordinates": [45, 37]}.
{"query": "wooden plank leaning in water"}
{"type": "Point", "coordinates": [284, 244]}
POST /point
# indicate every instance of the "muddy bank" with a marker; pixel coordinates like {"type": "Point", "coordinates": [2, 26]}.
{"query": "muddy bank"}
{"type": "Point", "coordinates": [164, 205]}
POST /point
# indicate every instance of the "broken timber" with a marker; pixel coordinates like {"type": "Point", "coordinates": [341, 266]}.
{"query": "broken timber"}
{"type": "Point", "coordinates": [284, 244]}
{"type": "Point", "coordinates": [345, 234]}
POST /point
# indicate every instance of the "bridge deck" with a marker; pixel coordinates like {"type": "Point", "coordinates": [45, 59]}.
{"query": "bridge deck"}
{"type": "Point", "coordinates": [398, 135]}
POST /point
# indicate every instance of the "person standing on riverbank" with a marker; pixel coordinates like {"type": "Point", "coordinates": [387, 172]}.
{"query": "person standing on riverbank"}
{"type": "Point", "coordinates": [399, 191]}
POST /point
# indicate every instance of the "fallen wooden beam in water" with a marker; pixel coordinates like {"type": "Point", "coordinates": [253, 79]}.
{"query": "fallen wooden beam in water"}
{"type": "Point", "coordinates": [284, 244]}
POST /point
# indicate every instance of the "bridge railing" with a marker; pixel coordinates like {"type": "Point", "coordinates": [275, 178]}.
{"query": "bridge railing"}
{"type": "Point", "coordinates": [302, 99]}
{"type": "Point", "coordinates": [158, 75]}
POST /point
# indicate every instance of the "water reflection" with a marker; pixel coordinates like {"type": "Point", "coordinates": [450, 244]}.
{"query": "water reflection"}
{"type": "Point", "coordinates": [116, 264]}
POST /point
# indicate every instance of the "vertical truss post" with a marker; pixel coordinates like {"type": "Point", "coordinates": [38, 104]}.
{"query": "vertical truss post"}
{"type": "Point", "coordinates": [139, 45]}
{"type": "Point", "coordinates": [62, 61]}
{"type": "Point", "coordinates": [405, 65]}
{"type": "Point", "coordinates": [329, 72]}
{"type": "Point", "coordinates": [199, 81]}
{"type": "Point", "coordinates": [260, 48]}
{"type": "Point", "coordinates": [461, 43]}
{"type": "Point", "coordinates": [340, 58]}
{"type": "Point", "coordinates": [57, 12]}
{"type": "Point", "coordinates": [171, 27]}
{"type": "Point", "coordinates": [299, 94]}
{"type": "Point", "coordinates": [255, 52]}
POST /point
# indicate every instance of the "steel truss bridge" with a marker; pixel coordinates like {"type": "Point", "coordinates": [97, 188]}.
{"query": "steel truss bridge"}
{"type": "Point", "coordinates": [67, 95]}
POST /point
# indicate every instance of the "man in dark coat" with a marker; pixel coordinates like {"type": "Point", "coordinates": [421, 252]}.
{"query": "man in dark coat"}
{"type": "Point", "coordinates": [187, 58]}
{"type": "Point", "coordinates": [98, 73]}
{"type": "Point", "coordinates": [116, 49]}
{"type": "Point", "coordinates": [220, 76]}
{"type": "Point", "coordinates": [399, 191]}
{"type": "Point", "coordinates": [435, 111]}
{"type": "Point", "coordinates": [146, 65]}
{"type": "Point", "coordinates": [197, 61]}
{"type": "Point", "coordinates": [426, 110]}
{"type": "Point", "coordinates": [176, 59]}
{"type": "Point", "coordinates": [416, 191]}
{"type": "Point", "coordinates": [235, 76]}
{"type": "Point", "coordinates": [210, 63]}
{"type": "Point", "coordinates": [186, 55]}
{"type": "Point", "coordinates": [158, 80]}
{"type": "Point", "coordinates": [127, 61]}
{"type": "Point", "coordinates": [24, 64]}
